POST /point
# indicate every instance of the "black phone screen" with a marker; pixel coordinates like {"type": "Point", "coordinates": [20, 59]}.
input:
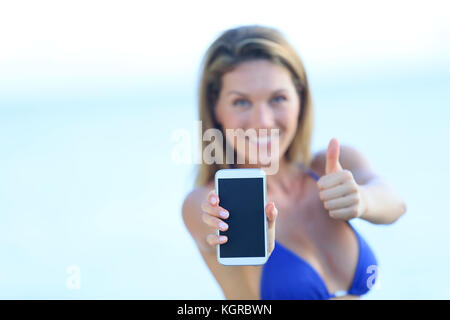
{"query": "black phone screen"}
{"type": "Point", "coordinates": [244, 200]}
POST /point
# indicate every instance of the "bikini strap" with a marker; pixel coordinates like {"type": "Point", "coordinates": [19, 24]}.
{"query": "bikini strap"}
{"type": "Point", "coordinates": [309, 171]}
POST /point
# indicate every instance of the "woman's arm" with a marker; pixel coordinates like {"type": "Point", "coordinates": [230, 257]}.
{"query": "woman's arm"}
{"type": "Point", "coordinates": [383, 205]}
{"type": "Point", "coordinates": [351, 189]}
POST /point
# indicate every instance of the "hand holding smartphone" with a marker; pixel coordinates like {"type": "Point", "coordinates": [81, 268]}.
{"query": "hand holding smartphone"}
{"type": "Point", "coordinates": [243, 193]}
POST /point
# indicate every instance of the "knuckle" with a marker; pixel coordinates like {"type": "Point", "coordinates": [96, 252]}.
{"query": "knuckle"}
{"type": "Point", "coordinates": [349, 185]}
{"type": "Point", "coordinates": [216, 212]}
{"type": "Point", "coordinates": [351, 196]}
{"type": "Point", "coordinates": [348, 173]}
{"type": "Point", "coordinates": [210, 239]}
{"type": "Point", "coordinates": [322, 195]}
{"type": "Point", "coordinates": [204, 205]}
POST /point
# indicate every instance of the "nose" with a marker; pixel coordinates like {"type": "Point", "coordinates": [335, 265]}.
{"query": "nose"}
{"type": "Point", "coordinates": [262, 117]}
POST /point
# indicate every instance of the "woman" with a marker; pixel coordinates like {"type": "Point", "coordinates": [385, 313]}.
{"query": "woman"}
{"type": "Point", "coordinates": [253, 79]}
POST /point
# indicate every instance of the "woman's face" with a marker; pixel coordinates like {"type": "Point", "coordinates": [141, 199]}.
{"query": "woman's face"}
{"type": "Point", "coordinates": [259, 94]}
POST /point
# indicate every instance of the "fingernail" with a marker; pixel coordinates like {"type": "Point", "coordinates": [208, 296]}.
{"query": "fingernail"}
{"type": "Point", "coordinates": [223, 214]}
{"type": "Point", "coordinates": [222, 238]}
{"type": "Point", "coordinates": [222, 225]}
{"type": "Point", "coordinates": [213, 200]}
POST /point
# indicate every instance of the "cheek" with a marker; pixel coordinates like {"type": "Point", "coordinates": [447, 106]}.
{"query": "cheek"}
{"type": "Point", "coordinates": [230, 120]}
{"type": "Point", "coordinates": [293, 122]}
{"type": "Point", "coordinates": [288, 122]}
{"type": "Point", "coordinates": [289, 118]}
{"type": "Point", "coordinates": [294, 115]}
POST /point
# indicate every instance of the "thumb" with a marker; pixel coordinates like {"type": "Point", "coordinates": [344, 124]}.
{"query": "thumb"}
{"type": "Point", "coordinates": [332, 162]}
{"type": "Point", "coordinates": [271, 213]}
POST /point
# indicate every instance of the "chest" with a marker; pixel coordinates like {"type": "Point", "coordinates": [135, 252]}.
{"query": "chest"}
{"type": "Point", "coordinates": [305, 228]}
{"type": "Point", "coordinates": [300, 211]}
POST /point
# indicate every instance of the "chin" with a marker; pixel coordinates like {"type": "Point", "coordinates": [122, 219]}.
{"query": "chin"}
{"type": "Point", "coordinates": [261, 150]}
{"type": "Point", "coordinates": [261, 161]}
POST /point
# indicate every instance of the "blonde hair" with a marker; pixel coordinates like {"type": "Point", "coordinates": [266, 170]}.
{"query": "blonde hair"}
{"type": "Point", "coordinates": [238, 45]}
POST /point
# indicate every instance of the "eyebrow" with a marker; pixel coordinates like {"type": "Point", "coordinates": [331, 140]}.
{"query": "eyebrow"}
{"type": "Point", "coordinates": [244, 94]}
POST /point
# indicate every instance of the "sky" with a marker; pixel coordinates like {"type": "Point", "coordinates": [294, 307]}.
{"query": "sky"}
{"type": "Point", "coordinates": [47, 45]}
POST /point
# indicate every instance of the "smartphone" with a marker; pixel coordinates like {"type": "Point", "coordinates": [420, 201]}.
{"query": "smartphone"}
{"type": "Point", "coordinates": [243, 193]}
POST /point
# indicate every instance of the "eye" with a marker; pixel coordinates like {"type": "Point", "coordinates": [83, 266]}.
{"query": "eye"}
{"type": "Point", "coordinates": [241, 102]}
{"type": "Point", "coordinates": [279, 99]}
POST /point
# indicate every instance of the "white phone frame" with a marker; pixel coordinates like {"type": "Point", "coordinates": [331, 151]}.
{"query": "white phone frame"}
{"type": "Point", "coordinates": [243, 173]}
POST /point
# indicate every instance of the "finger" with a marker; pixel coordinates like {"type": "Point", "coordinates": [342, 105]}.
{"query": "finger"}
{"type": "Point", "coordinates": [215, 211]}
{"type": "Point", "coordinates": [332, 159]}
{"type": "Point", "coordinates": [337, 191]}
{"type": "Point", "coordinates": [214, 222]}
{"type": "Point", "coordinates": [342, 202]}
{"type": "Point", "coordinates": [213, 198]}
{"type": "Point", "coordinates": [334, 179]}
{"type": "Point", "coordinates": [345, 213]}
{"type": "Point", "coordinates": [214, 239]}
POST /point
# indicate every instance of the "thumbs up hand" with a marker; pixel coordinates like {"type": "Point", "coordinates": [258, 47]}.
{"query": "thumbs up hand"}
{"type": "Point", "coordinates": [339, 192]}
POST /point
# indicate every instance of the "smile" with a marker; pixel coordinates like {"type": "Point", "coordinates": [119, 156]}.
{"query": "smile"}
{"type": "Point", "coordinates": [263, 140]}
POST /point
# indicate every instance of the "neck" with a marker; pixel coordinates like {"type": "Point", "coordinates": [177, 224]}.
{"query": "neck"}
{"type": "Point", "coordinates": [285, 172]}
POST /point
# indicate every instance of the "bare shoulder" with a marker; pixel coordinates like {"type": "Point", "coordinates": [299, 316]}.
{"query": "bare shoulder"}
{"type": "Point", "coordinates": [350, 159]}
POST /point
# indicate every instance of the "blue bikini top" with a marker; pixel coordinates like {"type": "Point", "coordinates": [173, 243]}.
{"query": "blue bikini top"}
{"type": "Point", "coordinates": [286, 275]}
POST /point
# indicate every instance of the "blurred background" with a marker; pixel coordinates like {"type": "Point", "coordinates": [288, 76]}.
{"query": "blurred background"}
{"type": "Point", "coordinates": [91, 93]}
